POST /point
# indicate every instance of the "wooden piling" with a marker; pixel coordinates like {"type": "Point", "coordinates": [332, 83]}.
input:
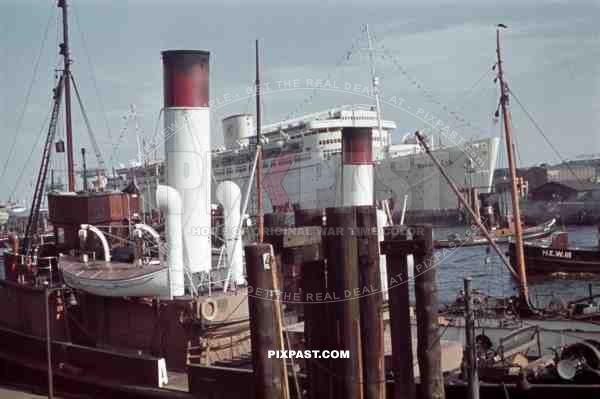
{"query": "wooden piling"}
{"type": "Point", "coordinates": [371, 304]}
{"type": "Point", "coordinates": [429, 350]}
{"type": "Point", "coordinates": [399, 310]}
{"type": "Point", "coordinates": [316, 327]}
{"type": "Point", "coordinates": [274, 226]}
{"type": "Point", "coordinates": [342, 258]}
{"type": "Point", "coordinates": [270, 377]}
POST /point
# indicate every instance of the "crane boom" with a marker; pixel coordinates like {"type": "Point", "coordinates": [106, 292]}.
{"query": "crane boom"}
{"type": "Point", "coordinates": [88, 125]}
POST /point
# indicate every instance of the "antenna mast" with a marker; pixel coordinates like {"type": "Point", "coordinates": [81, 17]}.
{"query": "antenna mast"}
{"type": "Point", "coordinates": [64, 51]}
{"type": "Point", "coordinates": [259, 194]}
{"type": "Point", "coordinates": [375, 86]}
{"type": "Point", "coordinates": [513, 173]}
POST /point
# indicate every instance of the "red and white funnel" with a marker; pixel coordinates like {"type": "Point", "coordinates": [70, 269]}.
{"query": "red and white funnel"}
{"type": "Point", "coordinates": [357, 166]}
{"type": "Point", "coordinates": [187, 148]}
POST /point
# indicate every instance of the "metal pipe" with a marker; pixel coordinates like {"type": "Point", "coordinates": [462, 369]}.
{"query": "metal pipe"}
{"type": "Point", "coordinates": [101, 237]}
{"type": "Point", "coordinates": [141, 228]}
{"type": "Point", "coordinates": [169, 201]}
{"type": "Point", "coordinates": [463, 201]}
{"type": "Point", "coordinates": [228, 194]}
{"type": "Point", "coordinates": [244, 209]}
{"type": "Point", "coordinates": [403, 209]}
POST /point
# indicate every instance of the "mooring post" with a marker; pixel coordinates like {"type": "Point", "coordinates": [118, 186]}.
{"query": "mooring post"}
{"type": "Point", "coordinates": [429, 350]}
{"type": "Point", "coordinates": [265, 328]}
{"type": "Point", "coordinates": [399, 310]}
{"type": "Point", "coordinates": [316, 319]}
{"type": "Point", "coordinates": [371, 304]}
{"type": "Point", "coordinates": [342, 259]}
{"type": "Point", "coordinates": [470, 356]}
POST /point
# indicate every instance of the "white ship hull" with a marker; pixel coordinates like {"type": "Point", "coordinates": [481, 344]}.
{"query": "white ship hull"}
{"type": "Point", "coordinates": [314, 184]}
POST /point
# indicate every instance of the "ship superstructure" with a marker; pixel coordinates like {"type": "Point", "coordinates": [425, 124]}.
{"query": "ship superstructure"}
{"type": "Point", "coordinates": [301, 162]}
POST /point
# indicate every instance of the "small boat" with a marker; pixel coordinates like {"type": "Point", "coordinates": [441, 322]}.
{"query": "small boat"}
{"type": "Point", "coordinates": [556, 255]}
{"type": "Point", "coordinates": [501, 236]}
{"type": "Point", "coordinates": [115, 280]}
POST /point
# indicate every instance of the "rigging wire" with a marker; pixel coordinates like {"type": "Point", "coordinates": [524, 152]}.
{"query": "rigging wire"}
{"type": "Point", "coordinates": [452, 112]}
{"type": "Point", "coordinates": [467, 93]}
{"type": "Point", "coordinates": [541, 132]}
{"type": "Point", "coordinates": [516, 145]}
{"type": "Point", "coordinates": [97, 152]}
{"type": "Point", "coordinates": [27, 162]}
{"type": "Point", "coordinates": [92, 73]}
{"type": "Point", "coordinates": [27, 95]}
{"type": "Point", "coordinates": [332, 74]}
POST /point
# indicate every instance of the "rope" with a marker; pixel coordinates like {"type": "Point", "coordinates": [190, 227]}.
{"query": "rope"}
{"type": "Point", "coordinates": [27, 97]}
{"type": "Point", "coordinates": [27, 162]}
{"type": "Point", "coordinates": [92, 72]}
{"type": "Point", "coordinates": [540, 131]}
{"type": "Point", "coordinates": [454, 114]}
{"type": "Point", "coordinates": [342, 60]}
{"type": "Point", "coordinates": [471, 89]}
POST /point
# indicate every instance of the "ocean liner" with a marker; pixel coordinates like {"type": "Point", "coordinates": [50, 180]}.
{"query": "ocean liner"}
{"type": "Point", "coordinates": [301, 157]}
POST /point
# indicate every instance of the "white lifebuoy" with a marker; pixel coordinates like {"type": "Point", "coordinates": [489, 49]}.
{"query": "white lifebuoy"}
{"type": "Point", "coordinates": [208, 309]}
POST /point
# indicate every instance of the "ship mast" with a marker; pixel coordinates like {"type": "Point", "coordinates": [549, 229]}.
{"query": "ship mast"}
{"type": "Point", "coordinates": [524, 290]}
{"type": "Point", "coordinates": [259, 193]}
{"type": "Point", "coordinates": [375, 84]}
{"type": "Point", "coordinates": [64, 51]}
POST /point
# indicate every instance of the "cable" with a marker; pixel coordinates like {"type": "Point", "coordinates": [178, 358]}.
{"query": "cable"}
{"type": "Point", "coordinates": [454, 114]}
{"type": "Point", "coordinates": [33, 149]}
{"type": "Point", "coordinates": [540, 131]}
{"type": "Point", "coordinates": [471, 89]}
{"type": "Point", "coordinates": [27, 96]}
{"type": "Point", "coordinates": [93, 74]}
{"type": "Point", "coordinates": [346, 57]}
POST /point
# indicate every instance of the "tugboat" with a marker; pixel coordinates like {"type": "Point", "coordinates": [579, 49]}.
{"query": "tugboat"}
{"type": "Point", "coordinates": [111, 314]}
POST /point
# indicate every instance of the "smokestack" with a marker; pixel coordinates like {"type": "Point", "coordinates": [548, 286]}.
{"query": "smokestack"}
{"type": "Point", "coordinates": [357, 167]}
{"type": "Point", "coordinates": [187, 148]}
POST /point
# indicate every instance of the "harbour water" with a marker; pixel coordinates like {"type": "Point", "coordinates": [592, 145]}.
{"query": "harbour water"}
{"type": "Point", "coordinates": [491, 277]}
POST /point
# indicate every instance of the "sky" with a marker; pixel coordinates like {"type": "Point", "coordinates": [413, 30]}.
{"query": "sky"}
{"type": "Point", "coordinates": [436, 56]}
